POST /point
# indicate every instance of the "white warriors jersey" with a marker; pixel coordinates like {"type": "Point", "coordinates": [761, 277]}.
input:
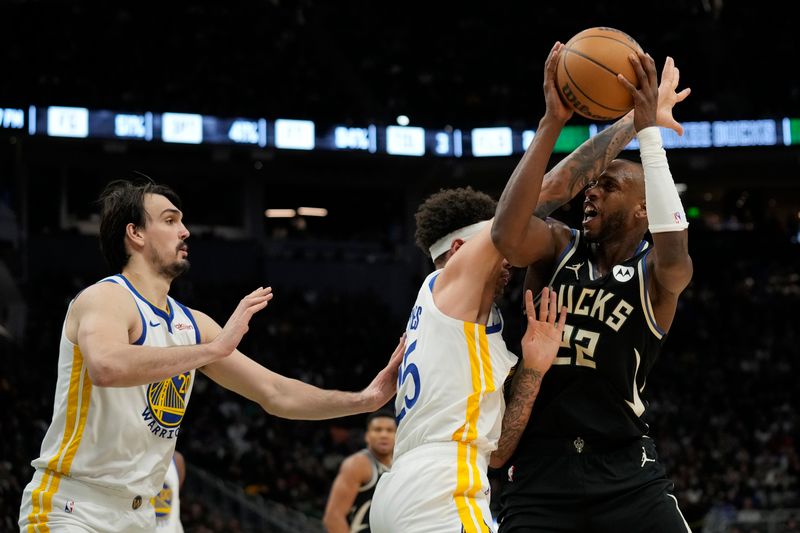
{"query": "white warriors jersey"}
{"type": "Point", "coordinates": [168, 503]}
{"type": "Point", "coordinates": [450, 385]}
{"type": "Point", "coordinates": [120, 438]}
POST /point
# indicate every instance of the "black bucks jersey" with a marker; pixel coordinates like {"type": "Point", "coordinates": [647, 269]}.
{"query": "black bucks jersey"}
{"type": "Point", "coordinates": [359, 513]}
{"type": "Point", "coordinates": [610, 343]}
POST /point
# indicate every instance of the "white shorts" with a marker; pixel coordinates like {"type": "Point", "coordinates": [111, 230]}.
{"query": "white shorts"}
{"type": "Point", "coordinates": [52, 502]}
{"type": "Point", "coordinates": [435, 488]}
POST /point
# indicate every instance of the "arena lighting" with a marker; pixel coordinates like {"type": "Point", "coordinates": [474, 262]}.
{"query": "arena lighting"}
{"type": "Point", "coordinates": [312, 211]}
{"type": "Point", "coordinates": [403, 120]}
{"type": "Point", "coordinates": [280, 213]}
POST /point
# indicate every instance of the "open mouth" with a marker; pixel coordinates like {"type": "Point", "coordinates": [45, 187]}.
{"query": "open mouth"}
{"type": "Point", "coordinates": [589, 212]}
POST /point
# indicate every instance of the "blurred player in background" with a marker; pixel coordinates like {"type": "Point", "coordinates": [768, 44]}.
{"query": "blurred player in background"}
{"type": "Point", "coordinates": [126, 366]}
{"type": "Point", "coordinates": [348, 505]}
{"type": "Point", "coordinates": [168, 502]}
{"type": "Point", "coordinates": [585, 462]}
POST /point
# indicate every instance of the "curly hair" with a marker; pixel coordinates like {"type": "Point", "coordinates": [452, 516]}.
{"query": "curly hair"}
{"type": "Point", "coordinates": [448, 210]}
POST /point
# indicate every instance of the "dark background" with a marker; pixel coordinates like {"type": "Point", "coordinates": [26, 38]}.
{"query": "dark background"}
{"type": "Point", "coordinates": [723, 396]}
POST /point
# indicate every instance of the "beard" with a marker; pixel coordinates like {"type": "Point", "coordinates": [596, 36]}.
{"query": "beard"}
{"type": "Point", "coordinates": [169, 269]}
{"type": "Point", "coordinates": [612, 226]}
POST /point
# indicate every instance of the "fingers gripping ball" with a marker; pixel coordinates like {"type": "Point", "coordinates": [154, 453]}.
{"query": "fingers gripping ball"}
{"type": "Point", "coordinates": [587, 73]}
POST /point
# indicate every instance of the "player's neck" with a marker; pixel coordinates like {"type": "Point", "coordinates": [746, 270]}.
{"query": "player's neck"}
{"type": "Point", "coordinates": [613, 252]}
{"type": "Point", "coordinates": [383, 458]}
{"type": "Point", "coordinates": [154, 288]}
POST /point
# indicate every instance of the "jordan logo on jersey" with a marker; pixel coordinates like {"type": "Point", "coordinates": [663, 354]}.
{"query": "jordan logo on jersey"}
{"type": "Point", "coordinates": [622, 273]}
{"type": "Point", "coordinates": [575, 268]}
{"type": "Point", "coordinates": [166, 404]}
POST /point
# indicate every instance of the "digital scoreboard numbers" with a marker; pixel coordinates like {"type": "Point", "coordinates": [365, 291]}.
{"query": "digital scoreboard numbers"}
{"type": "Point", "coordinates": [405, 140]}
{"type": "Point", "coordinates": [12, 119]}
{"type": "Point", "coordinates": [492, 142]}
{"type": "Point", "coordinates": [294, 134]}
{"type": "Point", "coordinates": [67, 122]}
{"type": "Point", "coordinates": [399, 140]}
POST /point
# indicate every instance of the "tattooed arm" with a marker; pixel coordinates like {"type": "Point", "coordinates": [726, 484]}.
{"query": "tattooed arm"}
{"type": "Point", "coordinates": [539, 347]}
{"type": "Point", "coordinates": [574, 172]}
{"type": "Point", "coordinates": [524, 389]}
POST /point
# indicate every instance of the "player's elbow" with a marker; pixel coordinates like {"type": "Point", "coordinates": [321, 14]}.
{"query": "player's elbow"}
{"type": "Point", "coordinates": [505, 241]}
{"type": "Point", "coordinates": [101, 372]}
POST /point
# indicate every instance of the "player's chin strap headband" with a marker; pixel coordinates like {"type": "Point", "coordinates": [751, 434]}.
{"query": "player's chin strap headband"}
{"type": "Point", "coordinates": [664, 208]}
{"type": "Point", "coordinates": [465, 233]}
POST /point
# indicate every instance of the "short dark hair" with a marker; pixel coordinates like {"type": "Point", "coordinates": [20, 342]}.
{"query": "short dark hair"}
{"type": "Point", "coordinates": [122, 203]}
{"type": "Point", "coordinates": [381, 413]}
{"type": "Point", "coordinates": [448, 210]}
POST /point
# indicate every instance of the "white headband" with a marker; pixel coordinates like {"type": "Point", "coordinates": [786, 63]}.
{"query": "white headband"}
{"type": "Point", "coordinates": [465, 233]}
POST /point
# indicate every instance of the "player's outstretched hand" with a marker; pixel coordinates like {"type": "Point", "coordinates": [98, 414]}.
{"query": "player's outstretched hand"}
{"type": "Point", "coordinates": [239, 322]}
{"type": "Point", "coordinates": [668, 97]}
{"type": "Point", "coordinates": [543, 336]}
{"type": "Point", "coordinates": [384, 385]}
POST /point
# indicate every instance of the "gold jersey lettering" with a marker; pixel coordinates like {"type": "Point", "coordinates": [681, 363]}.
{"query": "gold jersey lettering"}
{"type": "Point", "coordinates": [580, 308]}
{"type": "Point", "coordinates": [599, 306]}
{"type": "Point", "coordinates": [620, 314]}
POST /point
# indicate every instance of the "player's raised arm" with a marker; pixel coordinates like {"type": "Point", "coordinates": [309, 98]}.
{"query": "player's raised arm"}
{"type": "Point", "coordinates": [520, 237]}
{"type": "Point", "coordinates": [571, 175]}
{"type": "Point", "coordinates": [670, 261]}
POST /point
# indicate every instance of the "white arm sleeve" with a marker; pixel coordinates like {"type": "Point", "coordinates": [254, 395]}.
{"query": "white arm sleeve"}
{"type": "Point", "coordinates": [664, 208]}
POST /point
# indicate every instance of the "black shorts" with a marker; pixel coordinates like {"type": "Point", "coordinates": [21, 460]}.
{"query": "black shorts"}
{"type": "Point", "coordinates": [615, 489]}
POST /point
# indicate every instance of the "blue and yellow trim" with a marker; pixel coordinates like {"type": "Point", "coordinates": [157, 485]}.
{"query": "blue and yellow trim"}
{"type": "Point", "coordinates": [468, 480]}
{"type": "Point", "coordinates": [78, 399]}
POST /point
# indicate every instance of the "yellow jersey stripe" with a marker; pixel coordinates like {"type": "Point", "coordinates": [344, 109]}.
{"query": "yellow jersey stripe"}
{"type": "Point", "coordinates": [476, 486]}
{"type": "Point", "coordinates": [76, 405]}
{"type": "Point", "coordinates": [72, 449]}
{"type": "Point", "coordinates": [69, 428]}
{"type": "Point", "coordinates": [468, 477]}
{"type": "Point", "coordinates": [462, 486]}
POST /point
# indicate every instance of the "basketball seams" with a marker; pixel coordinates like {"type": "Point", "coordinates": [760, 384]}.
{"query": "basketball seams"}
{"type": "Point", "coordinates": [590, 55]}
{"type": "Point", "coordinates": [627, 45]}
{"type": "Point", "coordinates": [587, 58]}
{"type": "Point", "coordinates": [575, 85]}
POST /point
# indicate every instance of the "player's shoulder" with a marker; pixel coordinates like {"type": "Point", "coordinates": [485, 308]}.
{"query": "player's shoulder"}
{"type": "Point", "coordinates": [105, 294]}
{"type": "Point", "coordinates": [357, 465]}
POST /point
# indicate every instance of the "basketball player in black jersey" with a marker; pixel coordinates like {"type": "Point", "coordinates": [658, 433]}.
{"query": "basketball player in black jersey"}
{"type": "Point", "coordinates": [584, 462]}
{"type": "Point", "coordinates": [348, 505]}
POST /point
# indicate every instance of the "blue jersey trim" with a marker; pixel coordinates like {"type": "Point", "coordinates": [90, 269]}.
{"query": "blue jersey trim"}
{"type": "Point", "coordinates": [497, 326]}
{"type": "Point", "coordinates": [569, 246]}
{"type": "Point", "coordinates": [433, 280]}
{"type": "Point", "coordinates": [191, 319]}
{"type": "Point", "coordinates": [647, 307]}
{"type": "Point", "coordinates": [640, 247]}
{"type": "Point", "coordinates": [143, 336]}
{"type": "Point", "coordinates": [167, 316]}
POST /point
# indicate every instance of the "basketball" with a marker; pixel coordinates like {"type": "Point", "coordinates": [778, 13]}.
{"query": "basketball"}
{"type": "Point", "coordinates": [587, 73]}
